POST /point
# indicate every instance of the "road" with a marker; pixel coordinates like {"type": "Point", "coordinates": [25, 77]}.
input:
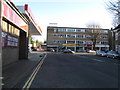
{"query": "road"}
{"type": "Point", "coordinates": [77, 71]}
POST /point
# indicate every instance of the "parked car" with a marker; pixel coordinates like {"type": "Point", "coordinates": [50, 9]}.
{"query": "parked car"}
{"type": "Point", "coordinates": [91, 51]}
{"type": "Point", "coordinates": [113, 54]}
{"type": "Point", "coordinates": [68, 51]}
{"type": "Point", "coordinates": [52, 50]}
{"type": "Point", "coordinates": [34, 49]}
{"type": "Point", "coordinates": [101, 53]}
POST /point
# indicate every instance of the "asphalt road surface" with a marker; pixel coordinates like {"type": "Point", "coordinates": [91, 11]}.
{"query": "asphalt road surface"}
{"type": "Point", "coordinates": [77, 71]}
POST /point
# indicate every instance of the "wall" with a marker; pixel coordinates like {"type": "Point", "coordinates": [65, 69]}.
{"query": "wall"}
{"type": "Point", "coordinates": [9, 55]}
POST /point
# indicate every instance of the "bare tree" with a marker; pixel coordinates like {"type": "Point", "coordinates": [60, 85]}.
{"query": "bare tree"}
{"type": "Point", "coordinates": [114, 8]}
{"type": "Point", "coordinates": [94, 33]}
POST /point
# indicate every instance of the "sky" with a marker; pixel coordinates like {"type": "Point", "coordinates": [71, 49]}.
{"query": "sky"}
{"type": "Point", "coordinates": [68, 13]}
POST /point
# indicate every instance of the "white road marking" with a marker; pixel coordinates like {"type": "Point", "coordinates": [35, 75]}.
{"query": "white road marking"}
{"type": "Point", "coordinates": [98, 60]}
{"type": "Point", "coordinates": [32, 77]}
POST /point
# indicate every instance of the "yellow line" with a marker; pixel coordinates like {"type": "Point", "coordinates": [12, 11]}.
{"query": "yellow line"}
{"type": "Point", "coordinates": [31, 78]}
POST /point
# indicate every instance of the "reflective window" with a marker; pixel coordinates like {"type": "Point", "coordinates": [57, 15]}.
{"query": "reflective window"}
{"type": "Point", "coordinates": [70, 35]}
{"type": "Point", "coordinates": [70, 42]}
{"type": "Point", "coordinates": [70, 30]}
{"type": "Point", "coordinates": [104, 31]}
{"type": "Point", "coordinates": [80, 36]}
{"type": "Point", "coordinates": [80, 30]}
{"type": "Point", "coordinates": [79, 42]}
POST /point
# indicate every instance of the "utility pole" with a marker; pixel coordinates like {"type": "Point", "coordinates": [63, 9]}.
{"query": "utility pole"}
{"type": "Point", "coordinates": [1, 11]}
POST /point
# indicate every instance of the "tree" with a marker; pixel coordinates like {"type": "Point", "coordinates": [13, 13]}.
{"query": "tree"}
{"type": "Point", "coordinates": [31, 41]}
{"type": "Point", "coordinates": [94, 33]}
{"type": "Point", "coordinates": [38, 44]}
{"type": "Point", "coordinates": [114, 8]}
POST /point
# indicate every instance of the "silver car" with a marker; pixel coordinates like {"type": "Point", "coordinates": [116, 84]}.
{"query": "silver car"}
{"type": "Point", "coordinates": [68, 51]}
{"type": "Point", "coordinates": [101, 53]}
{"type": "Point", "coordinates": [112, 54]}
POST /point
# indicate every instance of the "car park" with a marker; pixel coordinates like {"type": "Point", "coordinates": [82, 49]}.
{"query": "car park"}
{"type": "Point", "coordinates": [101, 53]}
{"type": "Point", "coordinates": [68, 51]}
{"type": "Point", "coordinates": [112, 54]}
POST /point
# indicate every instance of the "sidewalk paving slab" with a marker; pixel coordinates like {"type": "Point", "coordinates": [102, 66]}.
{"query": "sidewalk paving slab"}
{"type": "Point", "coordinates": [16, 74]}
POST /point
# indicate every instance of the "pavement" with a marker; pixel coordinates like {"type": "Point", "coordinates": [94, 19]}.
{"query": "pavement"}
{"type": "Point", "coordinates": [14, 75]}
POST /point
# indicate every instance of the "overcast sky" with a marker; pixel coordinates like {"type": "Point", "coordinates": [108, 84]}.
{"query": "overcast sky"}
{"type": "Point", "coordinates": [70, 13]}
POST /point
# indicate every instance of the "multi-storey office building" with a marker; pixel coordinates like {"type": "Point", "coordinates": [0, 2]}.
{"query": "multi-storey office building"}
{"type": "Point", "coordinates": [75, 38]}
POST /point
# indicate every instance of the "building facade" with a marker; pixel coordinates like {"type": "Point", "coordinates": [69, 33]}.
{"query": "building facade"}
{"type": "Point", "coordinates": [117, 38]}
{"type": "Point", "coordinates": [76, 39]}
{"type": "Point", "coordinates": [15, 32]}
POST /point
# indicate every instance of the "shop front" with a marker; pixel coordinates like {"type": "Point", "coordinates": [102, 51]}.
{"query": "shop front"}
{"type": "Point", "coordinates": [34, 28]}
{"type": "Point", "coordinates": [14, 34]}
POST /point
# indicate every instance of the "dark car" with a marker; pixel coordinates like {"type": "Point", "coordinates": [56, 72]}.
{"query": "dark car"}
{"type": "Point", "coordinates": [68, 51]}
{"type": "Point", "coordinates": [101, 53]}
{"type": "Point", "coordinates": [113, 54]}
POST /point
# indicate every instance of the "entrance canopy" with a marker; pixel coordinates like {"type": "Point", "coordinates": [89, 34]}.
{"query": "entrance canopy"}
{"type": "Point", "coordinates": [34, 28]}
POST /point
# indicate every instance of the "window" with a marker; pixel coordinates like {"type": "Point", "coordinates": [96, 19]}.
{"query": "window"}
{"type": "Point", "coordinates": [88, 31]}
{"type": "Point", "coordinates": [88, 42]}
{"type": "Point", "coordinates": [79, 42]}
{"type": "Point", "coordinates": [104, 42]}
{"type": "Point", "coordinates": [88, 36]}
{"type": "Point", "coordinates": [4, 26]}
{"type": "Point", "coordinates": [60, 41]}
{"type": "Point", "coordinates": [80, 30]}
{"type": "Point", "coordinates": [70, 42]}
{"type": "Point", "coordinates": [104, 31]}
{"type": "Point", "coordinates": [98, 42]}
{"type": "Point", "coordinates": [104, 37]}
{"type": "Point", "coordinates": [70, 30]}
{"type": "Point", "coordinates": [61, 35]}
{"type": "Point", "coordinates": [16, 31]}
{"type": "Point", "coordinates": [61, 30]}
{"type": "Point", "coordinates": [79, 36]}
{"type": "Point", "coordinates": [55, 29]}
{"type": "Point", "coordinates": [70, 35]}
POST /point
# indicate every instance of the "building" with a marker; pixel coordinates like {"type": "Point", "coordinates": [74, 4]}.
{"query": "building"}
{"type": "Point", "coordinates": [117, 38]}
{"type": "Point", "coordinates": [34, 28]}
{"type": "Point", "coordinates": [15, 29]}
{"type": "Point", "coordinates": [76, 39]}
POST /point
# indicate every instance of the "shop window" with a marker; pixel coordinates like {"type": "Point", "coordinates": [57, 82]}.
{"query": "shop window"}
{"type": "Point", "coordinates": [10, 28]}
{"type": "Point", "coordinates": [16, 31]}
{"type": "Point", "coordinates": [4, 26]}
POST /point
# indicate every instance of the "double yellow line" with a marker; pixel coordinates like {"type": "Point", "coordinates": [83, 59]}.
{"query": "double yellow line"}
{"type": "Point", "coordinates": [31, 78]}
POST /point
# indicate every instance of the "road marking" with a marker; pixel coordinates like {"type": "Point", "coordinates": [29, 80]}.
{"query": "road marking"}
{"type": "Point", "coordinates": [32, 77]}
{"type": "Point", "coordinates": [98, 60]}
